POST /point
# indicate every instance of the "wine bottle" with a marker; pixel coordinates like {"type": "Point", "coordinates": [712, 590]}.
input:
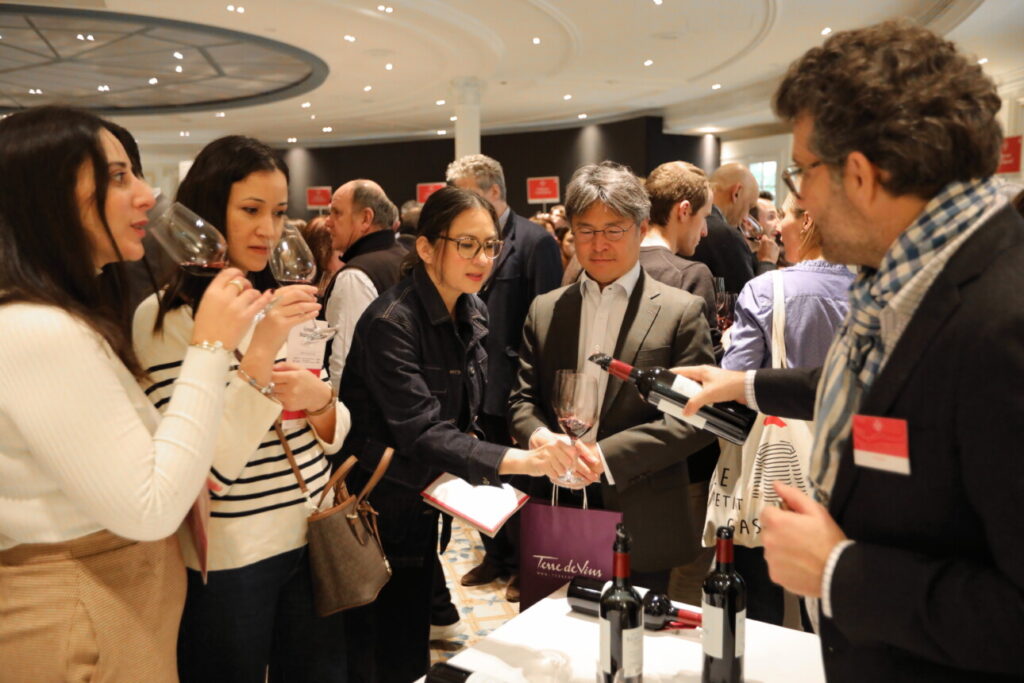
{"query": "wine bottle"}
{"type": "Point", "coordinates": [724, 604]}
{"type": "Point", "coordinates": [669, 393]}
{"type": "Point", "coordinates": [443, 672]}
{"type": "Point", "coordinates": [621, 620]}
{"type": "Point", "coordinates": [659, 612]}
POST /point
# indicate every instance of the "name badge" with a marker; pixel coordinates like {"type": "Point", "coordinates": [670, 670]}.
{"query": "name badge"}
{"type": "Point", "coordinates": [881, 443]}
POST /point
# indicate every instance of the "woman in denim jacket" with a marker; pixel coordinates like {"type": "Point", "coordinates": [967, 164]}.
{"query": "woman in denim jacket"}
{"type": "Point", "coordinates": [414, 380]}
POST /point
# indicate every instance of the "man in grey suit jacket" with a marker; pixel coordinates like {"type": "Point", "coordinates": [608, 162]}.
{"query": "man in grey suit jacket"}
{"type": "Point", "coordinates": [617, 309]}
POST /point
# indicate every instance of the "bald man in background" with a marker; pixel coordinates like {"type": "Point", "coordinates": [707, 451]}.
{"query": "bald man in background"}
{"type": "Point", "coordinates": [724, 250]}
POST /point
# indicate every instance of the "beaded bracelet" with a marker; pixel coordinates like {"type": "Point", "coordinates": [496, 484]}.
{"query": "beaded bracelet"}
{"type": "Point", "coordinates": [327, 406]}
{"type": "Point", "coordinates": [267, 390]}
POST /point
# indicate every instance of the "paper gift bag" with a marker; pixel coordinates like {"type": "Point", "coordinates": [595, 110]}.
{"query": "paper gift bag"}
{"type": "Point", "coordinates": [558, 543]}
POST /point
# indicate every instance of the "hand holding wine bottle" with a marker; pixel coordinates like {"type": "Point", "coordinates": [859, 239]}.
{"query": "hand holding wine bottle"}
{"type": "Point", "coordinates": [717, 386]}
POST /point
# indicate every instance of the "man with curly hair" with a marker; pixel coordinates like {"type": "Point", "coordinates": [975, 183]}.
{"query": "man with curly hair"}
{"type": "Point", "coordinates": [910, 549]}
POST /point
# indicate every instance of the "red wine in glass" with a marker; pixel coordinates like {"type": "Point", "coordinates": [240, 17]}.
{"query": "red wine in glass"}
{"type": "Point", "coordinates": [575, 404]}
{"type": "Point", "coordinates": [203, 269]}
{"type": "Point", "coordinates": [195, 245]}
{"type": "Point", "coordinates": [575, 427]}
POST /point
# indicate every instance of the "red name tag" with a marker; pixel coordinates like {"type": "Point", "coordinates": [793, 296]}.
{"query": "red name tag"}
{"type": "Point", "coordinates": [881, 443]}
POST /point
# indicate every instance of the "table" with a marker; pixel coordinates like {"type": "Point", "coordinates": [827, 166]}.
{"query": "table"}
{"type": "Point", "coordinates": [549, 642]}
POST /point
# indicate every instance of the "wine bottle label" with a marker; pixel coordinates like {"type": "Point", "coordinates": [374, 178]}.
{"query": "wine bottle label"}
{"type": "Point", "coordinates": [741, 628]}
{"type": "Point", "coordinates": [687, 387]}
{"type": "Point", "coordinates": [632, 650]}
{"type": "Point", "coordinates": [713, 624]}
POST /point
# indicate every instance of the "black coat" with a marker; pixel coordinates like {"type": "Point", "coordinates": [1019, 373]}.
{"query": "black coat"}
{"type": "Point", "coordinates": [933, 588]}
{"type": "Point", "coordinates": [726, 253]}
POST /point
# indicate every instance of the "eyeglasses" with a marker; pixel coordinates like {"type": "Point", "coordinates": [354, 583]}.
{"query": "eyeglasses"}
{"type": "Point", "coordinates": [612, 234]}
{"type": "Point", "coordinates": [468, 247]}
{"type": "Point", "coordinates": [792, 176]}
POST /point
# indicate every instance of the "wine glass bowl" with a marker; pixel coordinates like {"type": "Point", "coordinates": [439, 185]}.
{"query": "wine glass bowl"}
{"type": "Point", "coordinates": [575, 404]}
{"type": "Point", "coordinates": [291, 259]}
{"type": "Point", "coordinates": [196, 246]}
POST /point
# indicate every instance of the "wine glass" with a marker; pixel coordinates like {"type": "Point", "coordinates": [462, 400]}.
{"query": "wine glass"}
{"type": "Point", "coordinates": [725, 302]}
{"type": "Point", "coordinates": [576, 410]}
{"type": "Point", "coordinates": [195, 245]}
{"type": "Point", "coordinates": [292, 263]}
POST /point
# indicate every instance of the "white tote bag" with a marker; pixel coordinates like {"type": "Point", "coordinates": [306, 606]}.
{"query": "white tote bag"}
{"type": "Point", "coordinates": [777, 450]}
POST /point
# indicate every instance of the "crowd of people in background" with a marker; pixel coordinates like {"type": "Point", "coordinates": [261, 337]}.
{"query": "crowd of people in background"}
{"type": "Point", "coordinates": [452, 318]}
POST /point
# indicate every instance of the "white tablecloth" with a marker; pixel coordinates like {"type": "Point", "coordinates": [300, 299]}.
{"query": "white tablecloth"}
{"type": "Point", "coordinates": [549, 642]}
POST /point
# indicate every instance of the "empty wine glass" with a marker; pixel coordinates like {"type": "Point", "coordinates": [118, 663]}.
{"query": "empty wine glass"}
{"type": "Point", "coordinates": [195, 245]}
{"type": "Point", "coordinates": [576, 410]}
{"type": "Point", "coordinates": [292, 263]}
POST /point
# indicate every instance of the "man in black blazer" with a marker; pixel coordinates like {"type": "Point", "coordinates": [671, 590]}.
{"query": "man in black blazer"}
{"type": "Point", "coordinates": [529, 264]}
{"type": "Point", "coordinates": [724, 250]}
{"type": "Point", "coordinates": [915, 556]}
{"type": "Point", "coordinates": [618, 309]}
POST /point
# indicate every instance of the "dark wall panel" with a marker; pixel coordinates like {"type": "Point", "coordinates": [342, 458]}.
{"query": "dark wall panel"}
{"type": "Point", "coordinates": [639, 143]}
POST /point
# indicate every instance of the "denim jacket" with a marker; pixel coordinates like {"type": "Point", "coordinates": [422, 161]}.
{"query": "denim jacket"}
{"type": "Point", "coordinates": [414, 380]}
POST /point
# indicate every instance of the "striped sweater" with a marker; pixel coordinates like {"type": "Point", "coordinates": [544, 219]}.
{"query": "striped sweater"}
{"type": "Point", "coordinates": [258, 511]}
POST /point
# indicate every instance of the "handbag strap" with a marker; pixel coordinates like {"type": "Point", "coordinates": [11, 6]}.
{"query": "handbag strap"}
{"type": "Point", "coordinates": [778, 321]}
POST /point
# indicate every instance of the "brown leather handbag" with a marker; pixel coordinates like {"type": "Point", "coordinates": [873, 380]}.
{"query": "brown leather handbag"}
{"type": "Point", "coordinates": [346, 557]}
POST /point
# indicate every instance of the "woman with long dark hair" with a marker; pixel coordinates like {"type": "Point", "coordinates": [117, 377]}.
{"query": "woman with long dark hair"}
{"type": "Point", "coordinates": [93, 482]}
{"type": "Point", "coordinates": [414, 381]}
{"type": "Point", "coordinates": [255, 608]}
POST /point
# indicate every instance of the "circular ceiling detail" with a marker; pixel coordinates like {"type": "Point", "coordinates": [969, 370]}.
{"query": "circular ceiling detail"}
{"type": "Point", "coordinates": [116, 63]}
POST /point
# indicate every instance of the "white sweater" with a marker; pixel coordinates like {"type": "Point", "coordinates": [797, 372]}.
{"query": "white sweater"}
{"type": "Point", "coordinates": [258, 510]}
{"type": "Point", "coordinates": [81, 449]}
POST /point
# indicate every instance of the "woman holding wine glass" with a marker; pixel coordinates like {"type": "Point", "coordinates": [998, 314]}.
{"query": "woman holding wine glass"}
{"type": "Point", "coordinates": [93, 482]}
{"type": "Point", "coordinates": [255, 608]}
{"type": "Point", "coordinates": [414, 381]}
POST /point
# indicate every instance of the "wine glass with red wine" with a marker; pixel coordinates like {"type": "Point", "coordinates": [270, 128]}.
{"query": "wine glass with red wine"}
{"type": "Point", "coordinates": [292, 263]}
{"type": "Point", "coordinates": [575, 408]}
{"type": "Point", "coordinates": [195, 245]}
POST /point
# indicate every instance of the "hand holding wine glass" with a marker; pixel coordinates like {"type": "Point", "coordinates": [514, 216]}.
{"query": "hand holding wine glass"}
{"type": "Point", "coordinates": [292, 263]}
{"type": "Point", "coordinates": [575, 404]}
{"type": "Point", "coordinates": [227, 309]}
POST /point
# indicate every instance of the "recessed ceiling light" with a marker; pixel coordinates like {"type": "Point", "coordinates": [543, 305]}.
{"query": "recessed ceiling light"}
{"type": "Point", "coordinates": [381, 8]}
{"type": "Point", "coordinates": [178, 55]}
{"type": "Point", "coordinates": [220, 115]}
{"type": "Point", "coordinates": [581, 116]}
{"type": "Point", "coordinates": [983, 60]}
{"type": "Point", "coordinates": [658, 2]}
{"type": "Point", "coordinates": [367, 88]}
{"type": "Point", "coordinates": [306, 105]}
{"type": "Point", "coordinates": [648, 62]}
{"type": "Point", "coordinates": [536, 40]}
{"type": "Point", "coordinates": [716, 86]}
{"type": "Point", "coordinates": [153, 81]}
{"type": "Point", "coordinates": [178, 69]}
{"type": "Point", "coordinates": [103, 88]}
{"type": "Point", "coordinates": [89, 37]}
{"type": "Point", "coordinates": [389, 10]}
{"type": "Point", "coordinates": [293, 139]}
{"type": "Point", "coordinates": [453, 118]}
{"type": "Point", "coordinates": [440, 103]}
{"type": "Point", "coordinates": [350, 39]}
{"type": "Point", "coordinates": [230, 8]}
{"type": "Point", "coordinates": [80, 36]}
{"type": "Point", "coordinates": [827, 30]}
{"type": "Point", "coordinates": [240, 10]}
{"type": "Point", "coordinates": [312, 117]}
{"type": "Point", "coordinates": [389, 66]}
{"type": "Point", "coordinates": [567, 97]}
{"type": "Point", "coordinates": [183, 133]}
{"type": "Point", "coordinates": [327, 129]}
{"type": "Point", "coordinates": [442, 132]}
{"type": "Point", "coordinates": [35, 91]}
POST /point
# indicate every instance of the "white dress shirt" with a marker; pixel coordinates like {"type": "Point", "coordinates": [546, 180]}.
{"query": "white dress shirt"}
{"type": "Point", "coordinates": [353, 292]}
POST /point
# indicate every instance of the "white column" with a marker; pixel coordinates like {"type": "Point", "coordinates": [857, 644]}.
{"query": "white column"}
{"type": "Point", "coordinates": [466, 94]}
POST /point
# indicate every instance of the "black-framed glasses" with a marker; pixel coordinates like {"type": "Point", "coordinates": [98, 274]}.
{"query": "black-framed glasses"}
{"type": "Point", "coordinates": [612, 234]}
{"type": "Point", "coordinates": [468, 247]}
{"type": "Point", "coordinates": [793, 176]}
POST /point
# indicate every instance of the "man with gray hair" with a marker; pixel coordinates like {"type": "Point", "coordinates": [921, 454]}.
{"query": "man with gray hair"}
{"type": "Point", "coordinates": [361, 222]}
{"type": "Point", "coordinates": [619, 310]}
{"type": "Point", "coordinates": [530, 264]}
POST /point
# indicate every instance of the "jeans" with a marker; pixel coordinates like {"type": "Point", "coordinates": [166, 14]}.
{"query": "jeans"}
{"type": "Point", "coordinates": [248, 619]}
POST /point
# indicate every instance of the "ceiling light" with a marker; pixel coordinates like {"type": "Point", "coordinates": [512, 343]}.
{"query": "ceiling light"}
{"type": "Point", "coordinates": [716, 86]}
{"type": "Point", "coordinates": [440, 103]}
{"type": "Point", "coordinates": [103, 88]}
{"type": "Point", "coordinates": [89, 37]}
{"type": "Point", "coordinates": [293, 139]}
{"type": "Point", "coordinates": [381, 8]}
{"type": "Point", "coordinates": [827, 30]}
{"type": "Point", "coordinates": [389, 10]}
{"type": "Point", "coordinates": [648, 62]}
{"type": "Point", "coordinates": [35, 91]}
{"type": "Point", "coordinates": [230, 8]}
{"type": "Point", "coordinates": [453, 118]}
{"type": "Point", "coordinates": [80, 36]}
{"type": "Point", "coordinates": [442, 132]}
{"type": "Point", "coordinates": [708, 130]}
{"type": "Point", "coordinates": [178, 69]}
{"type": "Point", "coordinates": [658, 2]}
{"type": "Point", "coordinates": [183, 134]}
{"type": "Point", "coordinates": [178, 55]}
{"type": "Point", "coordinates": [306, 105]}
{"type": "Point", "coordinates": [567, 97]}
{"type": "Point", "coordinates": [367, 88]}
{"type": "Point", "coordinates": [350, 39]}
{"type": "Point", "coordinates": [327, 129]}
{"type": "Point", "coordinates": [536, 41]}
{"type": "Point", "coordinates": [220, 115]}
{"type": "Point", "coordinates": [389, 66]}
{"type": "Point", "coordinates": [581, 116]}
{"type": "Point", "coordinates": [312, 117]}
{"type": "Point", "coordinates": [153, 81]}
{"type": "Point", "coordinates": [983, 60]}
{"type": "Point", "coordinates": [240, 10]}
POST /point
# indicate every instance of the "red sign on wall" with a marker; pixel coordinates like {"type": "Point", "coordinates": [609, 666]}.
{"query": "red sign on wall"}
{"type": "Point", "coordinates": [424, 190]}
{"type": "Point", "coordinates": [1009, 157]}
{"type": "Point", "coordinates": [318, 197]}
{"type": "Point", "coordinates": [542, 190]}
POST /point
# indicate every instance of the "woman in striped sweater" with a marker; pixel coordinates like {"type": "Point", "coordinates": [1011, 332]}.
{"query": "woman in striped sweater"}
{"type": "Point", "coordinates": [256, 609]}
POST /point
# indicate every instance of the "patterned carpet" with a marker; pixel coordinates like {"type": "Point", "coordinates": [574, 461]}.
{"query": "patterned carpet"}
{"type": "Point", "coordinates": [481, 608]}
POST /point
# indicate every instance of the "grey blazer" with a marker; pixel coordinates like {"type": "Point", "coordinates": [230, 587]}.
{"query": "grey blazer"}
{"type": "Point", "coordinates": [645, 450]}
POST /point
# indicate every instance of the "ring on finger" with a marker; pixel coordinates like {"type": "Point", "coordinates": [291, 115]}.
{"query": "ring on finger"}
{"type": "Point", "coordinates": [237, 282]}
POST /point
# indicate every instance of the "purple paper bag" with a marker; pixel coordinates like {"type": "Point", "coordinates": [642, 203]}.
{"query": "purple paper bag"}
{"type": "Point", "coordinates": [558, 543]}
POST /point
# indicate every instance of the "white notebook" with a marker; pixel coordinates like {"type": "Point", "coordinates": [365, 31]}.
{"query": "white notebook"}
{"type": "Point", "coordinates": [486, 508]}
